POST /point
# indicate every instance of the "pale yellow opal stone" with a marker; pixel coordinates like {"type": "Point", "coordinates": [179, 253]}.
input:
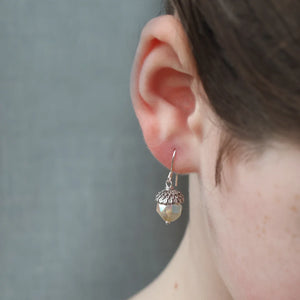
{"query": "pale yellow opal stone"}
{"type": "Point", "coordinates": [169, 212]}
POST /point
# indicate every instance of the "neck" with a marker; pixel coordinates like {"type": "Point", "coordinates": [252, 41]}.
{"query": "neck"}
{"type": "Point", "coordinates": [191, 274]}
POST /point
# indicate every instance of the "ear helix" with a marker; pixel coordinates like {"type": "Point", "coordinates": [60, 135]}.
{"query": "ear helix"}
{"type": "Point", "coordinates": [169, 200]}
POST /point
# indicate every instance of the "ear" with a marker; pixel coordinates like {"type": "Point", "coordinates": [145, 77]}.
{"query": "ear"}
{"type": "Point", "coordinates": [164, 95]}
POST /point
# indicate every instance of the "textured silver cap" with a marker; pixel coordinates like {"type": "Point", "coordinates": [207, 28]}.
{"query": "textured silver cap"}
{"type": "Point", "coordinates": [169, 196]}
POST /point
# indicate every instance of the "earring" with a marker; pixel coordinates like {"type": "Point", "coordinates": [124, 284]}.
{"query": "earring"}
{"type": "Point", "coordinates": [169, 200]}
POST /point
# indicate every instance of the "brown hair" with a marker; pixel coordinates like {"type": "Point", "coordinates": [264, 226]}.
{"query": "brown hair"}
{"type": "Point", "coordinates": [247, 56]}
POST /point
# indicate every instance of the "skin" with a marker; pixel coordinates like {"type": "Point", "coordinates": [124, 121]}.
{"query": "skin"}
{"type": "Point", "coordinates": [243, 237]}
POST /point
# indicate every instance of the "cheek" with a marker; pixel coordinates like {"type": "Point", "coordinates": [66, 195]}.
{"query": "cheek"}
{"type": "Point", "coordinates": [256, 236]}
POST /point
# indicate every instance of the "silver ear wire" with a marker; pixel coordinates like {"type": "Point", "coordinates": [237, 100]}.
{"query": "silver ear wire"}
{"type": "Point", "coordinates": [169, 200]}
{"type": "Point", "coordinates": [169, 183]}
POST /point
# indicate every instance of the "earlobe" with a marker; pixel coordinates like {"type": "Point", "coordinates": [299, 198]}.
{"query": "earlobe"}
{"type": "Point", "coordinates": [162, 93]}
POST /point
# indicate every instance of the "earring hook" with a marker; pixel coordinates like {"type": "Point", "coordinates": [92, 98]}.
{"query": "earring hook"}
{"type": "Point", "coordinates": [169, 180]}
{"type": "Point", "coordinates": [173, 156]}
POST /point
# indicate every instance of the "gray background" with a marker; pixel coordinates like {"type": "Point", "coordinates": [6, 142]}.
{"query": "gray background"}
{"type": "Point", "coordinates": [77, 217]}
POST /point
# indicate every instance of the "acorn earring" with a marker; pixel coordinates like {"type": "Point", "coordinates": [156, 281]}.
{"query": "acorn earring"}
{"type": "Point", "coordinates": [169, 200]}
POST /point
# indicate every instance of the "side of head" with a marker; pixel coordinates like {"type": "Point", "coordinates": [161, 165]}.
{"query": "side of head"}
{"type": "Point", "coordinates": [219, 81]}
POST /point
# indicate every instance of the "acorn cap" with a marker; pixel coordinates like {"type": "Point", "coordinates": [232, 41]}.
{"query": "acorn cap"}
{"type": "Point", "coordinates": [169, 196]}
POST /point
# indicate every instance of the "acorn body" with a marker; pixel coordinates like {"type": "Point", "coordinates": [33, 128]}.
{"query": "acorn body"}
{"type": "Point", "coordinates": [169, 203]}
